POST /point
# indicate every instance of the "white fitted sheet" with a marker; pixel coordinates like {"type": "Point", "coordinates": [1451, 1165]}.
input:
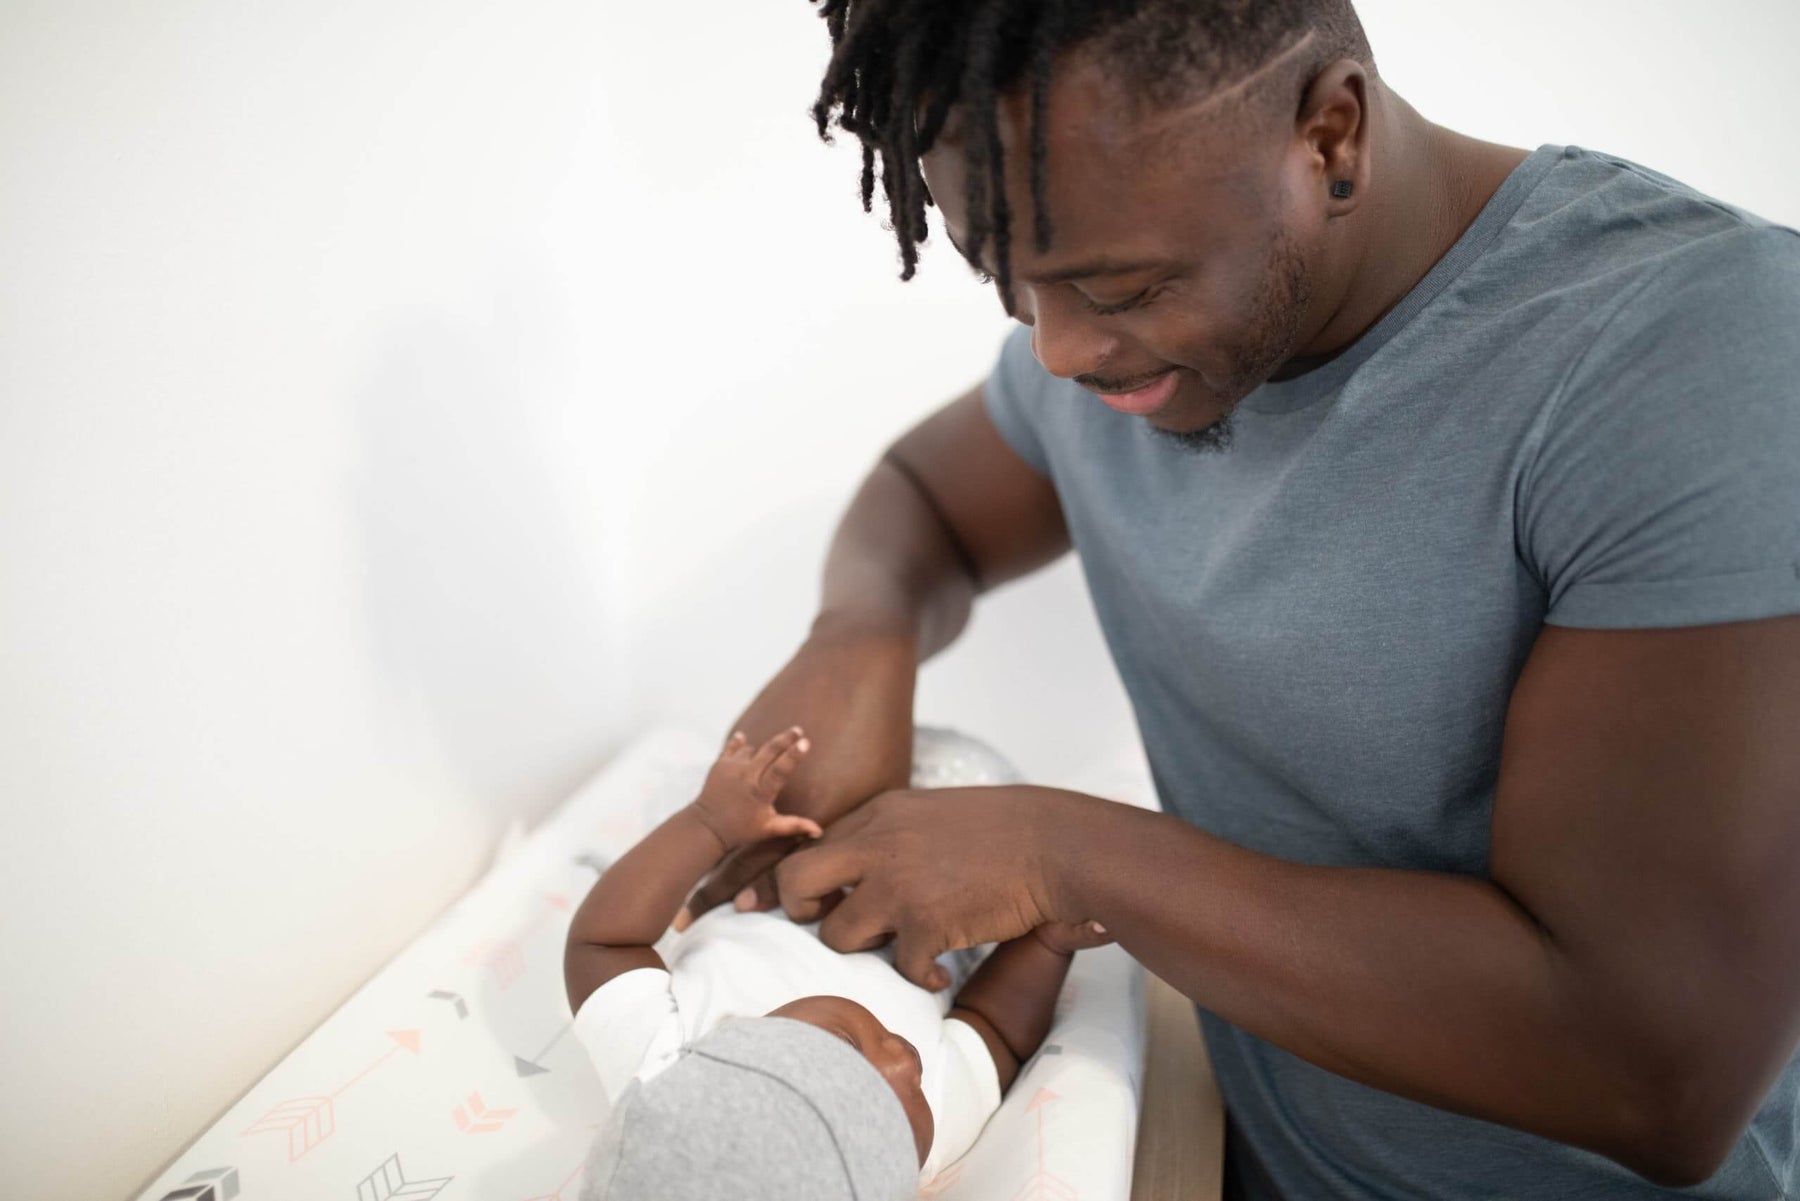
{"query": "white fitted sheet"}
{"type": "Point", "coordinates": [452, 1073]}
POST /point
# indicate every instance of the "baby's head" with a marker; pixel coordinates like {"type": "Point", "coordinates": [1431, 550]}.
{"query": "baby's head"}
{"type": "Point", "coordinates": [817, 1101]}
{"type": "Point", "coordinates": [892, 1056]}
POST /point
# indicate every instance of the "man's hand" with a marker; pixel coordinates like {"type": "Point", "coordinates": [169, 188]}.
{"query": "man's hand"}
{"type": "Point", "coordinates": [934, 871]}
{"type": "Point", "coordinates": [737, 802]}
{"type": "Point", "coordinates": [852, 690]}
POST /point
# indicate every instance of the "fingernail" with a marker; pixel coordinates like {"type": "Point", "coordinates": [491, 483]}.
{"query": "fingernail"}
{"type": "Point", "coordinates": [1098, 928]}
{"type": "Point", "coordinates": [682, 920]}
{"type": "Point", "coordinates": [745, 899]}
{"type": "Point", "coordinates": [804, 744]}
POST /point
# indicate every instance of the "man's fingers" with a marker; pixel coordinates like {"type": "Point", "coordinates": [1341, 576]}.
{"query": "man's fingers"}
{"type": "Point", "coordinates": [858, 924]}
{"type": "Point", "coordinates": [849, 825]}
{"type": "Point", "coordinates": [806, 877]}
{"type": "Point", "coordinates": [830, 901]}
{"type": "Point", "coordinates": [758, 896]}
{"type": "Point", "coordinates": [733, 873]}
{"type": "Point", "coordinates": [915, 957]}
{"type": "Point", "coordinates": [737, 742]}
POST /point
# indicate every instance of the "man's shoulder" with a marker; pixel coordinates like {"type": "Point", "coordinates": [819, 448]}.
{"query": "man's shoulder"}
{"type": "Point", "coordinates": [1599, 226]}
{"type": "Point", "coordinates": [1723, 308]}
{"type": "Point", "coordinates": [1606, 195]}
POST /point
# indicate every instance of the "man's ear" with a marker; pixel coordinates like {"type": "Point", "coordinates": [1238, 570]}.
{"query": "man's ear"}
{"type": "Point", "coordinates": [1333, 125]}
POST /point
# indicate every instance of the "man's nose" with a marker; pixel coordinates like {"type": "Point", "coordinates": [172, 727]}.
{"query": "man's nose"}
{"type": "Point", "coordinates": [1066, 341]}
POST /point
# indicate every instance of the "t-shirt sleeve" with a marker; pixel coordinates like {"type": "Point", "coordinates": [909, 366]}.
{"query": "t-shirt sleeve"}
{"type": "Point", "coordinates": [1017, 382]}
{"type": "Point", "coordinates": [966, 1096]}
{"type": "Point", "coordinates": [1665, 490]}
{"type": "Point", "coordinates": [630, 1027]}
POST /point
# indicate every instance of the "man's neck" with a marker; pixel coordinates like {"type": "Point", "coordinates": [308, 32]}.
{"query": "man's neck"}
{"type": "Point", "coordinates": [1431, 185]}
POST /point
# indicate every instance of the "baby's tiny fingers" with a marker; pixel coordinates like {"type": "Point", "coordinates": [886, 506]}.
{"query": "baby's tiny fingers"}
{"type": "Point", "coordinates": [773, 749]}
{"type": "Point", "coordinates": [777, 774]}
{"type": "Point", "coordinates": [793, 827]}
{"type": "Point", "coordinates": [1092, 934]}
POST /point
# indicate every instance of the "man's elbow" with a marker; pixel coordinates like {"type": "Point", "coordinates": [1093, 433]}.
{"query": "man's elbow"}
{"type": "Point", "coordinates": [1679, 1161]}
{"type": "Point", "coordinates": [1683, 1136]}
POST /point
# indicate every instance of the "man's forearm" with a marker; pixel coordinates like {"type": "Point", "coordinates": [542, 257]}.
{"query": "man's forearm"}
{"type": "Point", "coordinates": [1434, 987]}
{"type": "Point", "coordinates": [895, 569]}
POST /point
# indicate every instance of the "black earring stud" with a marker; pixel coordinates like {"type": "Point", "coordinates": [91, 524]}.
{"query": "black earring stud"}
{"type": "Point", "coordinates": [1342, 188]}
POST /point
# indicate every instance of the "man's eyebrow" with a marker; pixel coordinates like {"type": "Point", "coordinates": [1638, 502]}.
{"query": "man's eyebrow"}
{"type": "Point", "coordinates": [1063, 275]}
{"type": "Point", "coordinates": [1091, 268]}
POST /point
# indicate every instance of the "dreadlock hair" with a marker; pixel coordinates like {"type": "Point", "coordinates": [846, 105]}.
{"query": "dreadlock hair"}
{"type": "Point", "coordinates": [899, 66]}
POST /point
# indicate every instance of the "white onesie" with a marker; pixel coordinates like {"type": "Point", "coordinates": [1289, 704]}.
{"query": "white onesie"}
{"type": "Point", "coordinates": [731, 964]}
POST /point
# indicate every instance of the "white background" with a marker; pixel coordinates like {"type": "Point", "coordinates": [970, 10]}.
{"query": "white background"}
{"type": "Point", "coordinates": [401, 404]}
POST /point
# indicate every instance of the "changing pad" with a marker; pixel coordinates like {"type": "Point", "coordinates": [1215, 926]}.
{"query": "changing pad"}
{"type": "Point", "coordinates": [452, 1074]}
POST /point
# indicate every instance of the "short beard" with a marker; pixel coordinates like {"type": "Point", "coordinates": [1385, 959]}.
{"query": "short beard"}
{"type": "Point", "coordinates": [1205, 440]}
{"type": "Point", "coordinates": [1274, 335]}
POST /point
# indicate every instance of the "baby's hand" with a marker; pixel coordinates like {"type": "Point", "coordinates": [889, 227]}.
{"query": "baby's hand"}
{"type": "Point", "coordinates": [1066, 938]}
{"type": "Point", "coordinates": [737, 802]}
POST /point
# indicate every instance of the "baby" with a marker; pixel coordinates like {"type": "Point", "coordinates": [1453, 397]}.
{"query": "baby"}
{"type": "Point", "coordinates": [758, 1063]}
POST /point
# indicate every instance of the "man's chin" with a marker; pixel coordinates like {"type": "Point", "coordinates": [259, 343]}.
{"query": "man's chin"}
{"type": "Point", "coordinates": [1197, 428]}
{"type": "Point", "coordinates": [1205, 439]}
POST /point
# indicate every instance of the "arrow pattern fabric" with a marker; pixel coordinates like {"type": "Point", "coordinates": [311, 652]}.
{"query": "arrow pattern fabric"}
{"type": "Point", "coordinates": [478, 1118]}
{"type": "Point", "coordinates": [453, 1060]}
{"type": "Point", "coordinates": [439, 994]}
{"type": "Point", "coordinates": [218, 1184]}
{"type": "Point", "coordinates": [389, 1183]}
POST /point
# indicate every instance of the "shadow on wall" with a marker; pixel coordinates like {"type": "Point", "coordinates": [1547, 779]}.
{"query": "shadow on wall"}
{"type": "Point", "coordinates": [484, 616]}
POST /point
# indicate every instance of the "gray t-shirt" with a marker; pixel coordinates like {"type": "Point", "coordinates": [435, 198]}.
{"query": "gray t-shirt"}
{"type": "Point", "coordinates": [1587, 414]}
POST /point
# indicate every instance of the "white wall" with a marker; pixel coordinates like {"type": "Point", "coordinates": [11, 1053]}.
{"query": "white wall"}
{"type": "Point", "coordinates": [401, 404]}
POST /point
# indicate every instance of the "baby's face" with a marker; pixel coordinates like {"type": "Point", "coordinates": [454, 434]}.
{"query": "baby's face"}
{"type": "Point", "coordinates": [896, 1059]}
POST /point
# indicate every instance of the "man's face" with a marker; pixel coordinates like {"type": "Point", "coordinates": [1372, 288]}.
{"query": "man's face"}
{"type": "Point", "coordinates": [1181, 269]}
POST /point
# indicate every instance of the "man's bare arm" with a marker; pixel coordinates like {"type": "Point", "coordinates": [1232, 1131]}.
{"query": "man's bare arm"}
{"type": "Point", "coordinates": [1626, 979]}
{"type": "Point", "coordinates": [948, 511]}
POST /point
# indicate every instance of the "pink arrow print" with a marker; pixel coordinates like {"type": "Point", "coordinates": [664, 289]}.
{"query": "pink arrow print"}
{"type": "Point", "coordinates": [478, 1118]}
{"type": "Point", "coordinates": [309, 1121]}
{"type": "Point", "coordinates": [1043, 1185]}
{"type": "Point", "coordinates": [942, 1181]}
{"type": "Point", "coordinates": [504, 958]}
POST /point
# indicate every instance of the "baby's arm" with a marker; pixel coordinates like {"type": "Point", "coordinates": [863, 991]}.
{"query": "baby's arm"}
{"type": "Point", "coordinates": [1011, 998]}
{"type": "Point", "coordinates": [633, 901]}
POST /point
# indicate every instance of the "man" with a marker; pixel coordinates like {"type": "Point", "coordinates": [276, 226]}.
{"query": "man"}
{"type": "Point", "coordinates": [1441, 506]}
